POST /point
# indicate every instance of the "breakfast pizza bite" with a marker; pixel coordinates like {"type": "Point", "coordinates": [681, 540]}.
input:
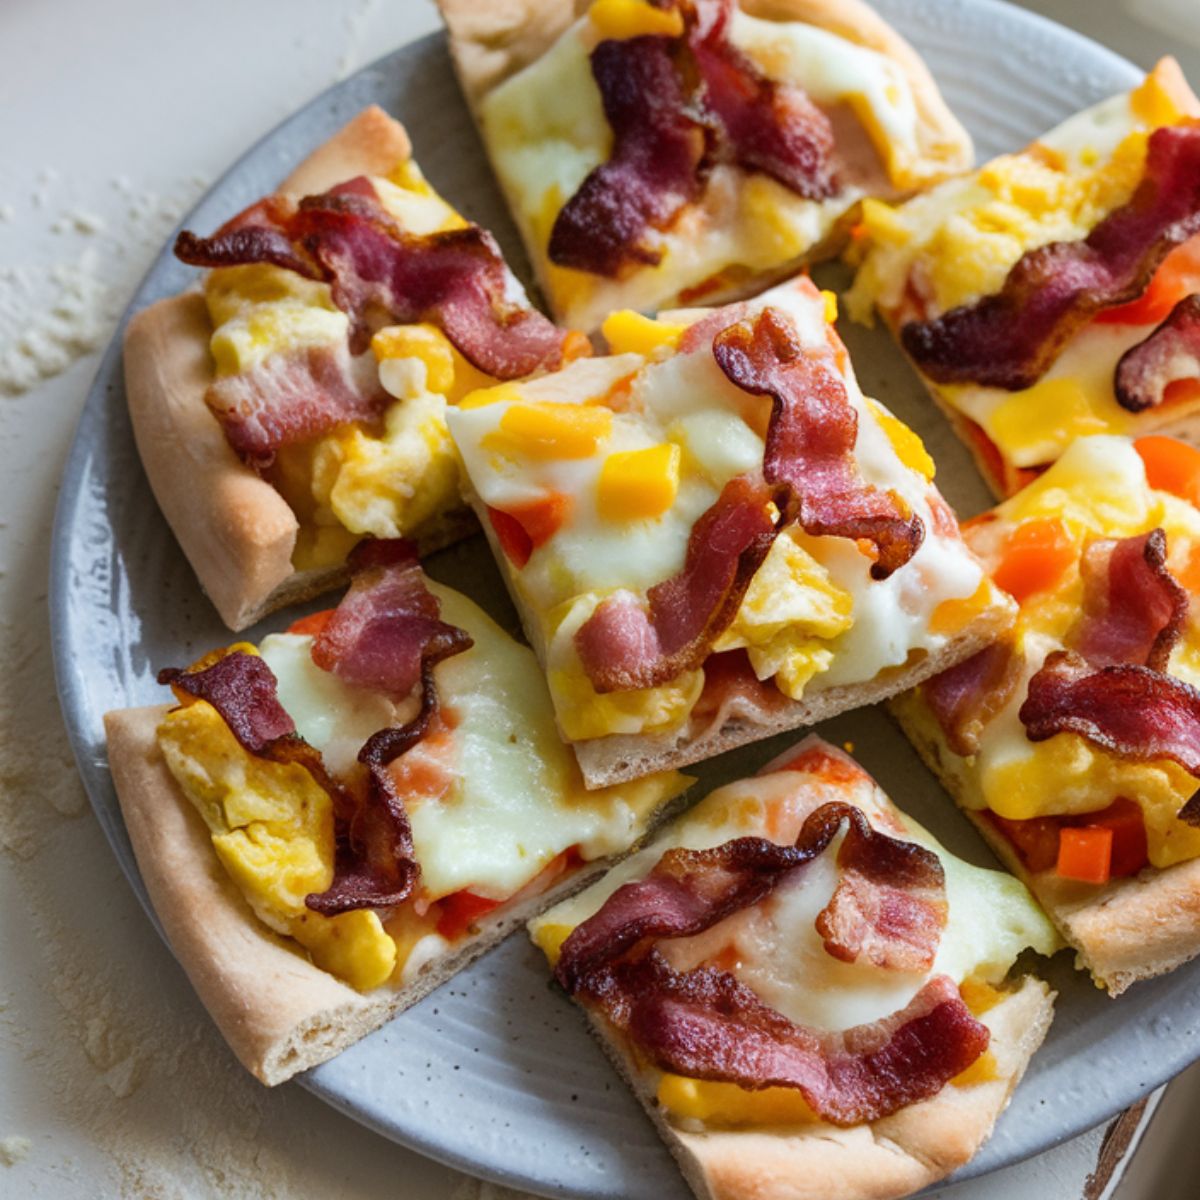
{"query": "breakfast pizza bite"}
{"type": "Point", "coordinates": [333, 823]}
{"type": "Point", "coordinates": [713, 536]}
{"type": "Point", "coordinates": [1054, 293]}
{"type": "Point", "coordinates": [811, 997]}
{"type": "Point", "coordinates": [294, 403]}
{"type": "Point", "coordinates": [1074, 744]}
{"type": "Point", "coordinates": [665, 152]}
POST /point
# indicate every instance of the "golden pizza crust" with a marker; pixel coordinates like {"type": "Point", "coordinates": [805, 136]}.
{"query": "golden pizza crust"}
{"type": "Point", "coordinates": [279, 1013]}
{"type": "Point", "coordinates": [235, 528]}
{"type": "Point", "coordinates": [1130, 929]}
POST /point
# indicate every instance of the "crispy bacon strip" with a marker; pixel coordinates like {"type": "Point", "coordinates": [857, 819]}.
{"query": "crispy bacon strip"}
{"type": "Point", "coordinates": [767, 126]}
{"type": "Point", "coordinates": [676, 106]}
{"type": "Point", "coordinates": [810, 441]}
{"type": "Point", "coordinates": [624, 646]}
{"type": "Point", "coordinates": [654, 168]}
{"type": "Point", "coordinates": [345, 237]}
{"type": "Point", "coordinates": [705, 1024]}
{"type": "Point", "coordinates": [242, 688]}
{"type": "Point", "coordinates": [889, 904]}
{"type": "Point", "coordinates": [1134, 711]}
{"type": "Point", "coordinates": [689, 891]}
{"type": "Point", "coordinates": [1009, 339]}
{"type": "Point", "coordinates": [1134, 609]}
{"type": "Point", "coordinates": [387, 626]}
{"type": "Point", "coordinates": [1169, 354]}
{"type": "Point", "coordinates": [967, 696]}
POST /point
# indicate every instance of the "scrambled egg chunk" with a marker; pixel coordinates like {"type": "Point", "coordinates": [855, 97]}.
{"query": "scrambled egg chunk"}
{"type": "Point", "coordinates": [272, 829]}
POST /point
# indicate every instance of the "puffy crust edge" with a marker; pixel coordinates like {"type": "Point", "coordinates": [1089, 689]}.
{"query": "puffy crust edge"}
{"type": "Point", "coordinates": [234, 527]}
{"type": "Point", "coordinates": [882, 1160]}
{"type": "Point", "coordinates": [279, 1013]}
{"type": "Point", "coordinates": [1131, 929]}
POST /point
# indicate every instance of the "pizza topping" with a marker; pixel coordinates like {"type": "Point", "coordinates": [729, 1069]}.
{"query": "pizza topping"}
{"type": "Point", "coordinates": [1133, 607]}
{"type": "Point", "coordinates": [1170, 354]}
{"type": "Point", "coordinates": [653, 170]}
{"type": "Point", "coordinates": [675, 106]}
{"type": "Point", "coordinates": [705, 1024]}
{"type": "Point", "coordinates": [623, 646]}
{"type": "Point", "coordinates": [1134, 711]}
{"type": "Point", "coordinates": [968, 695]}
{"type": "Point", "coordinates": [1009, 338]}
{"type": "Point", "coordinates": [379, 275]}
{"type": "Point", "coordinates": [387, 626]}
{"type": "Point", "coordinates": [889, 905]}
{"type": "Point", "coordinates": [689, 891]}
{"type": "Point", "coordinates": [241, 687]}
{"type": "Point", "coordinates": [810, 441]}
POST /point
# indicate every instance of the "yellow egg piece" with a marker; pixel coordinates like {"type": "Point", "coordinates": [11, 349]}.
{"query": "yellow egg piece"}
{"type": "Point", "coordinates": [639, 484]}
{"type": "Point", "coordinates": [546, 430]}
{"type": "Point", "coordinates": [909, 448]}
{"type": "Point", "coordinates": [728, 1104]}
{"type": "Point", "coordinates": [628, 332]}
{"type": "Point", "coordinates": [634, 18]}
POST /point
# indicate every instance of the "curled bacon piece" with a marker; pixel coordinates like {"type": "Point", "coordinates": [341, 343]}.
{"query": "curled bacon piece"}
{"type": "Point", "coordinates": [1134, 609]}
{"type": "Point", "coordinates": [705, 1024]}
{"type": "Point", "coordinates": [810, 441]}
{"type": "Point", "coordinates": [623, 645]}
{"type": "Point", "coordinates": [1169, 354]}
{"type": "Point", "coordinates": [654, 167]}
{"type": "Point", "coordinates": [967, 696]}
{"type": "Point", "coordinates": [386, 627]}
{"type": "Point", "coordinates": [889, 904]}
{"type": "Point", "coordinates": [1134, 711]}
{"type": "Point", "coordinates": [345, 237]}
{"type": "Point", "coordinates": [676, 106]}
{"type": "Point", "coordinates": [242, 688]}
{"type": "Point", "coordinates": [1009, 339]}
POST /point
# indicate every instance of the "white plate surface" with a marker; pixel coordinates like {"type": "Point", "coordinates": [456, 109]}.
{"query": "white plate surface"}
{"type": "Point", "coordinates": [494, 1073]}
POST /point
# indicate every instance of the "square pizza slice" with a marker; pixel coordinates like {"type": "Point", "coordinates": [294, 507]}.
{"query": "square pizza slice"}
{"type": "Point", "coordinates": [1055, 292]}
{"type": "Point", "coordinates": [1074, 743]}
{"type": "Point", "coordinates": [690, 151]}
{"type": "Point", "coordinates": [713, 536]}
{"type": "Point", "coordinates": [333, 822]}
{"type": "Point", "coordinates": [809, 994]}
{"type": "Point", "coordinates": [294, 402]}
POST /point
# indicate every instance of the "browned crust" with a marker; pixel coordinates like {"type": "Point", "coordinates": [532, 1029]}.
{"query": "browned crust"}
{"type": "Point", "coordinates": [236, 530]}
{"type": "Point", "coordinates": [883, 1160]}
{"type": "Point", "coordinates": [1130, 929]}
{"type": "Point", "coordinates": [279, 1013]}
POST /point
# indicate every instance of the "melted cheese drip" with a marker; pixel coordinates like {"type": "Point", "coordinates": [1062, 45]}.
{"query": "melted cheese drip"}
{"type": "Point", "coordinates": [780, 956]}
{"type": "Point", "coordinates": [517, 799]}
{"type": "Point", "coordinates": [861, 626]}
{"type": "Point", "coordinates": [546, 131]}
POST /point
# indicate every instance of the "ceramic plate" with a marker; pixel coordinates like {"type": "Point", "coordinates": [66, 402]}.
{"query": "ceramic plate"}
{"type": "Point", "coordinates": [494, 1073]}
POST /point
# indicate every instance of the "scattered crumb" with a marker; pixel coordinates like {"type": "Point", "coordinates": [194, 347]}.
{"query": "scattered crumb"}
{"type": "Point", "coordinates": [13, 1149]}
{"type": "Point", "coordinates": [848, 747]}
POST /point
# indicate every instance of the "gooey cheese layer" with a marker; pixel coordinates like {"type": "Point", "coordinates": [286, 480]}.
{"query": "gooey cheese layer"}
{"type": "Point", "coordinates": [774, 948]}
{"type": "Point", "coordinates": [957, 243]}
{"type": "Point", "coordinates": [812, 617]}
{"type": "Point", "coordinates": [390, 482]}
{"type": "Point", "coordinates": [545, 130]}
{"type": "Point", "coordinates": [1098, 489]}
{"type": "Point", "coordinates": [508, 800]}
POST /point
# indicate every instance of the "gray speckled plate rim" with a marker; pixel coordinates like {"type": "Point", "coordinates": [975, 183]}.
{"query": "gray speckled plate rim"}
{"type": "Point", "coordinates": [1159, 1032]}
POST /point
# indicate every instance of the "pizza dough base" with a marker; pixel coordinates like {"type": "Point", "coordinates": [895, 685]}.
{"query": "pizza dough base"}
{"type": "Point", "coordinates": [1130, 929]}
{"type": "Point", "coordinates": [235, 528]}
{"type": "Point", "coordinates": [279, 1013]}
